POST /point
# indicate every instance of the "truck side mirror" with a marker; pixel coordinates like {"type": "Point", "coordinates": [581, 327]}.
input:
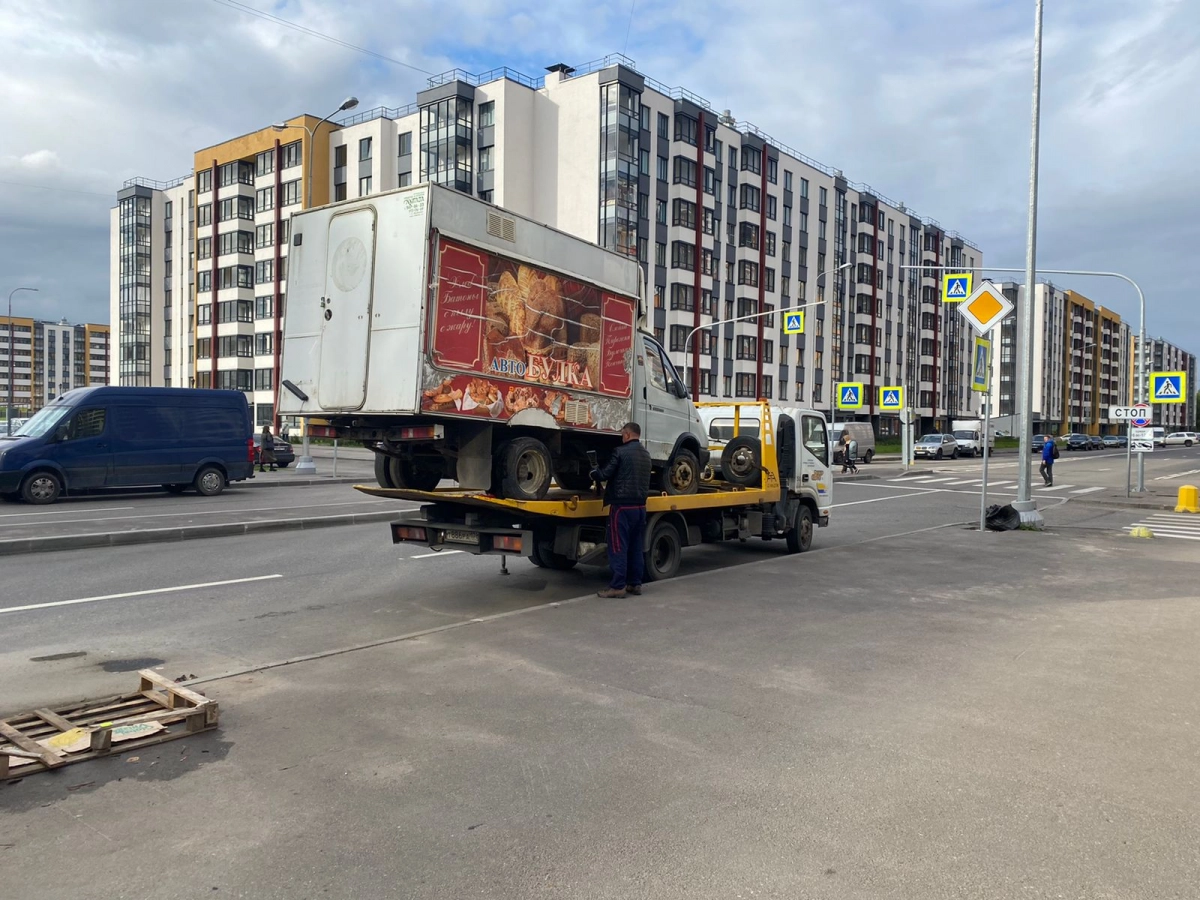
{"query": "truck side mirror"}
{"type": "Point", "coordinates": [681, 390]}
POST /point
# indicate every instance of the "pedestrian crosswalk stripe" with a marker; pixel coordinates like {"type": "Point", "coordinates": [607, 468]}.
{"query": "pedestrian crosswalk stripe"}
{"type": "Point", "coordinates": [968, 481]}
{"type": "Point", "coordinates": [936, 480]}
{"type": "Point", "coordinates": [1169, 525]}
{"type": "Point", "coordinates": [1087, 490]}
{"type": "Point", "coordinates": [1057, 487]}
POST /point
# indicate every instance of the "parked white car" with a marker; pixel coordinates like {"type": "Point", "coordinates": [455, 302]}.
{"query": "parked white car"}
{"type": "Point", "coordinates": [1182, 439]}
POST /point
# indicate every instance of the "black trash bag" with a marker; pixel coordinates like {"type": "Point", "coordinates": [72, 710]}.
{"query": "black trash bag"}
{"type": "Point", "coordinates": [1002, 518]}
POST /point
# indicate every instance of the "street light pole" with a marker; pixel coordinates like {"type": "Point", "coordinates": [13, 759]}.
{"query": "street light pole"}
{"type": "Point", "coordinates": [8, 413]}
{"type": "Point", "coordinates": [305, 464]}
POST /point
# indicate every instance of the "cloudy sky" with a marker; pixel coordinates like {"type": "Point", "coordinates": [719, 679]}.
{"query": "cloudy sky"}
{"type": "Point", "coordinates": [926, 100]}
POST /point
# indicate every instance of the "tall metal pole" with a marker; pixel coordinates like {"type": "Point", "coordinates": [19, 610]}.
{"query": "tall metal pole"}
{"type": "Point", "coordinates": [8, 412]}
{"type": "Point", "coordinates": [1024, 504]}
{"type": "Point", "coordinates": [1143, 386]}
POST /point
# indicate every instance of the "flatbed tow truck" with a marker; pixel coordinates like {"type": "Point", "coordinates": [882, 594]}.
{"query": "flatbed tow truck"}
{"type": "Point", "coordinates": [786, 491]}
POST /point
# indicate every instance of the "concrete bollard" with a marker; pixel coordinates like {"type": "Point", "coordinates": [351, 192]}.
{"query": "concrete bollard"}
{"type": "Point", "coordinates": [1188, 500]}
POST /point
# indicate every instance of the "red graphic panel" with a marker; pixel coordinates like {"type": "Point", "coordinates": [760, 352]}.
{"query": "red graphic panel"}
{"type": "Point", "coordinates": [616, 344]}
{"type": "Point", "coordinates": [459, 318]}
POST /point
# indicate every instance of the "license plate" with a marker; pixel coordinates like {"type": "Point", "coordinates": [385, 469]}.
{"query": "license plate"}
{"type": "Point", "coordinates": [461, 537]}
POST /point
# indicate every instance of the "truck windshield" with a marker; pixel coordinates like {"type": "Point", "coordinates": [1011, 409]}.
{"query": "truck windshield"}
{"type": "Point", "coordinates": [44, 421]}
{"type": "Point", "coordinates": [965, 435]}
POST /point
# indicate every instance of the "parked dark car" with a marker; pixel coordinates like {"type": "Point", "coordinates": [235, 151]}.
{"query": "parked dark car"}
{"type": "Point", "coordinates": [1039, 441]}
{"type": "Point", "coordinates": [106, 436]}
{"type": "Point", "coordinates": [1079, 442]}
{"type": "Point", "coordinates": [284, 454]}
{"type": "Point", "coordinates": [1097, 442]}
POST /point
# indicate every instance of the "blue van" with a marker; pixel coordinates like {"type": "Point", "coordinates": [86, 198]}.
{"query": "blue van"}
{"type": "Point", "coordinates": [102, 437]}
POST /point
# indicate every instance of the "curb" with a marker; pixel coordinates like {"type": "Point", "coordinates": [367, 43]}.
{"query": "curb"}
{"type": "Point", "coordinates": [184, 533]}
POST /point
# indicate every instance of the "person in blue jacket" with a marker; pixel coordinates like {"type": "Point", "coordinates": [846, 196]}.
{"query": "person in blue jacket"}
{"type": "Point", "coordinates": [1049, 452]}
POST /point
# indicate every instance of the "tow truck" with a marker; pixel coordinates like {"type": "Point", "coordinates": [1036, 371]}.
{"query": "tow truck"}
{"type": "Point", "coordinates": [777, 485]}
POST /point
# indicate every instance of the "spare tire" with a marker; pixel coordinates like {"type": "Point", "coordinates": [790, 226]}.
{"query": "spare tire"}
{"type": "Point", "coordinates": [741, 461]}
{"type": "Point", "coordinates": [682, 474]}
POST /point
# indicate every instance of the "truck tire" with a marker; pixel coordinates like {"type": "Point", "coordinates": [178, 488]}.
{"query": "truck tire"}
{"type": "Point", "coordinates": [404, 474]}
{"type": "Point", "coordinates": [799, 538]}
{"type": "Point", "coordinates": [662, 559]}
{"type": "Point", "coordinates": [573, 480]}
{"type": "Point", "coordinates": [682, 474]}
{"type": "Point", "coordinates": [525, 469]}
{"type": "Point", "coordinates": [741, 461]}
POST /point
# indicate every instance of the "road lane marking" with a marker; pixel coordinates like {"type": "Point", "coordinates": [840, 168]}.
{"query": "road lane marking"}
{"type": "Point", "coordinates": [1059, 487]}
{"type": "Point", "coordinates": [1087, 490]}
{"type": "Point", "coordinates": [881, 499]}
{"type": "Point", "coordinates": [166, 590]}
{"type": "Point", "coordinates": [1179, 475]}
{"type": "Point", "coordinates": [435, 553]}
{"type": "Point", "coordinates": [199, 512]}
{"type": "Point", "coordinates": [59, 512]}
{"type": "Point", "coordinates": [968, 481]}
{"type": "Point", "coordinates": [915, 478]}
{"type": "Point", "coordinates": [936, 480]}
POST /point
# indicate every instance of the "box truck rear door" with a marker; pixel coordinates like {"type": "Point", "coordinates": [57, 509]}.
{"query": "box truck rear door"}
{"type": "Point", "coordinates": [346, 325]}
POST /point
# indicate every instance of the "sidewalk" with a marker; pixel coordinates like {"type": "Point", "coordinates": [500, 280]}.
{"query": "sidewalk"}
{"type": "Point", "coordinates": [840, 730]}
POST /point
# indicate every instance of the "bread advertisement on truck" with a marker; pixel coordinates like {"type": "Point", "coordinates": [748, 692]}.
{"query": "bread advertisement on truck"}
{"type": "Point", "coordinates": [506, 337]}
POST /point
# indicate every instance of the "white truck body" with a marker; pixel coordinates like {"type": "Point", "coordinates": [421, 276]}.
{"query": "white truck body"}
{"type": "Point", "coordinates": [969, 434]}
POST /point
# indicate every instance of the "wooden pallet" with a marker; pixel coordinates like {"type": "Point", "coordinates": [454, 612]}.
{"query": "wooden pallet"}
{"type": "Point", "coordinates": [51, 738]}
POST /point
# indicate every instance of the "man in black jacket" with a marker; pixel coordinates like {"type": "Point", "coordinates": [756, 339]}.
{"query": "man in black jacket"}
{"type": "Point", "coordinates": [627, 485]}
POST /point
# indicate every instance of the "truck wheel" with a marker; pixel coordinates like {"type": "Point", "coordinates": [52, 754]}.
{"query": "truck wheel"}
{"type": "Point", "coordinates": [741, 461]}
{"type": "Point", "coordinates": [526, 469]}
{"type": "Point", "coordinates": [209, 482]}
{"type": "Point", "coordinates": [404, 474]}
{"type": "Point", "coordinates": [41, 488]}
{"type": "Point", "coordinates": [662, 559]}
{"type": "Point", "coordinates": [573, 480]}
{"type": "Point", "coordinates": [800, 537]}
{"type": "Point", "coordinates": [552, 560]}
{"type": "Point", "coordinates": [682, 474]}
{"type": "Point", "coordinates": [870, 455]}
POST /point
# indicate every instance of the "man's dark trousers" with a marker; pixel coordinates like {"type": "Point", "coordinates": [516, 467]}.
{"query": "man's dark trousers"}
{"type": "Point", "coordinates": [626, 535]}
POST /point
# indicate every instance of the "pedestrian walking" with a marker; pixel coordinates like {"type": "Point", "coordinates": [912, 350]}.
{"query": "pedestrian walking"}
{"type": "Point", "coordinates": [1049, 455]}
{"type": "Point", "coordinates": [849, 454]}
{"type": "Point", "coordinates": [626, 479]}
{"type": "Point", "coordinates": [266, 449]}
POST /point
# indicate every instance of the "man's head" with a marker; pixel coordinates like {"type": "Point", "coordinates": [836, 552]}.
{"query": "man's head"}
{"type": "Point", "coordinates": [630, 431]}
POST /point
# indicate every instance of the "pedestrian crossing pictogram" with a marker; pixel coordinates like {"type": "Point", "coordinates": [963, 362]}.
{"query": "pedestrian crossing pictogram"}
{"type": "Point", "coordinates": [850, 395]}
{"type": "Point", "coordinates": [956, 288]}
{"type": "Point", "coordinates": [793, 323]}
{"type": "Point", "coordinates": [891, 398]}
{"type": "Point", "coordinates": [1168, 387]}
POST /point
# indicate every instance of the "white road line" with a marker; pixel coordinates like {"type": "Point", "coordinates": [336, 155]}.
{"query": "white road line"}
{"type": "Point", "coordinates": [916, 478]}
{"type": "Point", "coordinates": [1176, 535]}
{"type": "Point", "coordinates": [992, 484]}
{"type": "Point", "coordinates": [198, 512]}
{"type": "Point", "coordinates": [878, 499]}
{"type": "Point", "coordinates": [166, 590]}
{"type": "Point", "coordinates": [435, 553]}
{"type": "Point", "coordinates": [968, 481]}
{"type": "Point", "coordinates": [936, 480]}
{"type": "Point", "coordinates": [1179, 518]}
{"type": "Point", "coordinates": [1087, 490]}
{"type": "Point", "coordinates": [1178, 475]}
{"type": "Point", "coordinates": [59, 512]}
{"type": "Point", "coordinates": [1058, 487]}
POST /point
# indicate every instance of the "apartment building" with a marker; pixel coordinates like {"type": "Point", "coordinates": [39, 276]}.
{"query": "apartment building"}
{"type": "Point", "coordinates": [1082, 363]}
{"type": "Point", "coordinates": [1166, 357]}
{"type": "Point", "coordinates": [49, 359]}
{"type": "Point", "coordinates": [728, 222]}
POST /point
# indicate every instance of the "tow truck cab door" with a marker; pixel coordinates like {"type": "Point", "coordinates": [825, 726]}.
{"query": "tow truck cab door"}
{"type": "Point", "coordinates": [813, 474]}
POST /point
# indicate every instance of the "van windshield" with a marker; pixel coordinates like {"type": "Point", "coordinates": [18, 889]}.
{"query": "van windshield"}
{"type": "Point", "coordinates": [43, 421]}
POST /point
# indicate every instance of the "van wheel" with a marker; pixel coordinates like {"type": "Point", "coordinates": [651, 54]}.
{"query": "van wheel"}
{"type": "Point", "coordinates": [526, 469]}
{"type": "Point", "coordinates": [175, 488]}
{"type": "Point", "coordinates": [870, 455]}
{"type": "Point", "coordinates": [41, 488]}
{"type": "Point", "coordinates": [210, 481]}
{"type": "Point", "coordinates": [662, 559]}
{"type": "Point", "coordinates": [682, 474]}
{"type": "Point", "coordinates": [741, 461]}
{"type": "Point", "coordinates": [800, 537]}
{"type": "Point", "coordinates": [404, 474]}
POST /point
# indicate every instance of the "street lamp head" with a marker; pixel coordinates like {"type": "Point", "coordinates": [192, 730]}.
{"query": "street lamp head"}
{"type": "Point", "coordinates": [279, 126]}
{"type": "Point", "coordinates": [348, 103]}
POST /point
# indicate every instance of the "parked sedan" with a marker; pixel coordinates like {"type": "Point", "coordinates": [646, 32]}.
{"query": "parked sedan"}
{"type": "Point", "coordinates": [1114, 440]}
{"type": "Point", "coordinates": [1079, 442]}
{"type": "Point", "coordinates": [936, 446]}
{"type": "Point", "coordinates": [1181, 439]}
{"type": "Point", "coordinates": [284, 454]}
{"type": "Point", "coordinates": [1097, 442]}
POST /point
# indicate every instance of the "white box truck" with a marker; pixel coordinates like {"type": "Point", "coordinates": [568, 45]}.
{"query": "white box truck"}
{"type": "Point", "coordinates": [460, 341]}
{"type": "Point", "coordinates": [969, 434]}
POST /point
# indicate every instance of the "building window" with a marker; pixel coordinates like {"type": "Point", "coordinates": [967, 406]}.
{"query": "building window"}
{"type": "Point", "coordinates": [264, 235]}
{"type": "Point", "coordinates": [204, 248]}
{"type": "Point", "coordinates": [751, 161]}
{"type": "Point", "coordinates": [364, 186]}
{"type": "Point", "coordinates": [620, 136]}
{"type": "Point", "coordinates": [486, 196]}
{"type": "Point", "coordinates": [406, 179]}
{"type": "Point", "coordinates": [746, 347]}
{"type": "Point", "coordinates": [662, 168]}
{"type": "Point", "coordinates": [772, 175]}
{"type": "Point", "coordinates": [292, 155]}
{"type": "Point", "coordinates": [364, 149]}
{"type": "Point", "coordinates": [745, 384]}
{"type": "Point", "coordinates": [339, 192]}
{"type": "Point", "coordinates": [682, 297]}
{"type": "Point", "coordinates": [683, 255]}
{"type": "Point", "coordinates": [447, 134]}
{"type": "Point", "coordinates": [804, 187]}
{"type": "Point", "coordinates": [485, 159]}
{"type": "Point", "coordinates": [487, 114]}
{"type": "Point", "coordinates": [685, 129]}
{"type": "Point", "coordinates": [684, 213]}
{"type": "Point", "coordinates": [262, 382]}
{"type": "Point", "coordinates": [264, 271]}
{"type": "Point", "coordinates": [750, 197]}
{"type": "Point", "coordinates": [264, 199]}
{"type": "Point", "coordinates": [406, 143]}
{"type": "Point", "coordinates": [685, 171]}
{"type": "Point", "coordinates": [748, 235]}
{"type": "Point", "coordinates": [748, 273]}
{"type": "Point", "coordinates": [264, 307]}
{"type": "Point", "coordinates": [770, 243]}
{"type": "Point", "coordinates": [291, 193]}
{"type": "Point", "coordinates": [660, 254]}
{"type": "Point", "coordinates": [204, 215]}
{"type": "Point", "coordinates": [262, 344]}
{"type": "Point", "coordinates": [771, 211]}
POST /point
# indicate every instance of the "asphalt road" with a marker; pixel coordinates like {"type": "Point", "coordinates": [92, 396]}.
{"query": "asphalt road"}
{"type": "Point", "coordinates": [937, 714]}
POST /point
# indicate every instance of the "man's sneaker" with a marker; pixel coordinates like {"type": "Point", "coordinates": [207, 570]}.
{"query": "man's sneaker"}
{"type": "Point", "coordinates": [611, 593]}
{"type": "Point", "coordinates": [635, 589]}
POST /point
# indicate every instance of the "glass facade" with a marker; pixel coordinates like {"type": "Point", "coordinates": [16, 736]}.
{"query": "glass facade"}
{"type": "Point", "coordinates": [446, 143]}
{"type": "Point", "coordinates": [133, 366]}
{"type": "Point", "coordinates": [620, 129]}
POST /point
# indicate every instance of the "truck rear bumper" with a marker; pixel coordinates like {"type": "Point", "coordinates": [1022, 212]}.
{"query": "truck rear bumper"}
{"type": "Point", "coordinates": [475, 539]}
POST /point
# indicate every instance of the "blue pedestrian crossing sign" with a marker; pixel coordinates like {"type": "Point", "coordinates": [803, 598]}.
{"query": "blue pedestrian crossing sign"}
{"type": "Point", "coordinates": [793, 322]}
{"type": "Point", "coordinates": [850, 395]}
{"type": "Point", "coordinates": [891, 399]}
{"type": "Point", "coordinates": [956, 288]}
{"type": "Point", "coordinates": [1168, 387]}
